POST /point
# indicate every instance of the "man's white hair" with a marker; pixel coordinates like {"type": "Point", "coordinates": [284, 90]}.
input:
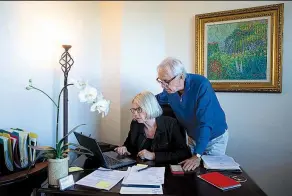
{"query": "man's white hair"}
{"type": "Point", "coordinates": [174, 65]}
{"type": "Point", "coordinates": [149, 104]}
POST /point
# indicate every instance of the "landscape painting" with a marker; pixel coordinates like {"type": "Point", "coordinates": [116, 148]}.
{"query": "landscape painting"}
{"type": "Point", "coordinates": [241, 50]}
{"type": "Point", "coordinates": [238, 51]}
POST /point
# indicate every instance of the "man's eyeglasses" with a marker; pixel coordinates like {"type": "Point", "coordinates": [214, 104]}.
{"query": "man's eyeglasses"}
{"type": "Point", "coordinates": [165, 82]}
{"type": "Point", "coordinates": [139, 110]}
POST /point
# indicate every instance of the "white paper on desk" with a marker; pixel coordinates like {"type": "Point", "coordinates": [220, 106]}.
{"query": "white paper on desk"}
{"type": "Point", "coordinates": [136, 190]}
{"type": "Point", "coordinates": [102, 179]}
{"type": "Point", "coordinates": [150, 176]}
{"type": "Point", "coordinates": [126, 175]}
{"type": "Point", "coordinates": [223, 162]}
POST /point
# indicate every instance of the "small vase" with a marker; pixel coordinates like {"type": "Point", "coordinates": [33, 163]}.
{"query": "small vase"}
{"type": "Point", "coordinates": [57, 169]}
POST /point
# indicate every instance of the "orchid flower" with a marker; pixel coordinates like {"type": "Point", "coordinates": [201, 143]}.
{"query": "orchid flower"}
{"type": "Point", "coordinates": [79, 84]}
{"type": "Point", "coordinates": [102, 106]}
{"type": "Point", "coordinates": [91, 95]}
{"type": "Point", "coordinates": [87, 94]}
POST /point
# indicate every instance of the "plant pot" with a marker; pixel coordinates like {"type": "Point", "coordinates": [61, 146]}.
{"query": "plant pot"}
{"type": "Point", "coordinates": [57, 168]}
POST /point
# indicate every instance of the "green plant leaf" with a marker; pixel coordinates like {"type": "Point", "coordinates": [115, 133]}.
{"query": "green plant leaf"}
{"type": "Point", "coordinates": [42, 148]}
{"type": "Point", "coordinates": [39, 155]}
{"type": "Point", "coordinates": [61, 140]}
{"type": "Point", "coordinates": [76, 145]}
{"type": "Point", "coordinates": [78, 152]}
{"type": "Point", "coordinates": [50, 155]}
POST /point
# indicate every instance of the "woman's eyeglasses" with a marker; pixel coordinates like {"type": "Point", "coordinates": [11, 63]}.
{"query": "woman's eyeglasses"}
{"type": "Point", "coordinates": [139, 110]}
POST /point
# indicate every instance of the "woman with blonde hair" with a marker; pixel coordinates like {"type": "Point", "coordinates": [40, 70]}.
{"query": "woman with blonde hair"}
{"type": "Point", "coordinates": [153, 136]}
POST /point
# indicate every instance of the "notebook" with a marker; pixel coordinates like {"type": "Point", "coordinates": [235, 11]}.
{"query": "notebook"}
{"type": "Point", "coordinates": [222, 162]}
{"type": "Point", "coordinates": [220, 181]}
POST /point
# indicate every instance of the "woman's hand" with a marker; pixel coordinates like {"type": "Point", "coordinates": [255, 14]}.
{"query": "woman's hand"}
{"type": "Point", "coordinates": [145, 154]}
{"type": "Point", "coordinates": [122, 150]}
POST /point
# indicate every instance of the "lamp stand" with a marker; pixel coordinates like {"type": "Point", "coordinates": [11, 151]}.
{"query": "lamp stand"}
{"type": "Point", "coordinates": [66, 61]}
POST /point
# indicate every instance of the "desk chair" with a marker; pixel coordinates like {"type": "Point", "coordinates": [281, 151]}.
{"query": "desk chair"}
{"type": "Point", "coordinates": [167, 111]}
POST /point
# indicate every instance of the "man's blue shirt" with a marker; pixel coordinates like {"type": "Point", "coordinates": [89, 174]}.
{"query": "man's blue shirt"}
{"type": "Point", "coordinates": [198, 110]}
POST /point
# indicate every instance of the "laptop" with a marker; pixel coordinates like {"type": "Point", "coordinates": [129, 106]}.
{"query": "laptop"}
{"type": "Point", "coordinates": [110, 159]}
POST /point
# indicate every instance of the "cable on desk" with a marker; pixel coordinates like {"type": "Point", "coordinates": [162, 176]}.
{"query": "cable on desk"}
{"type": "Point", "coordinates": [238, 178]}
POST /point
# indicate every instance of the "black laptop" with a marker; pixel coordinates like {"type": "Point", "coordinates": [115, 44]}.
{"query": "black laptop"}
{"type": "Point", "coordinates": [110, 159]}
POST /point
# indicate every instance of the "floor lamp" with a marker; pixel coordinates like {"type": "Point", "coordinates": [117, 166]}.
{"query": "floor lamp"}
{"type": "Point", "coordinates": [66, 62]}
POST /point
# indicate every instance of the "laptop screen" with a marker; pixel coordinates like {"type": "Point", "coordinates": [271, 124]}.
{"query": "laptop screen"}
{"type": "Point", "coordinates": [91, 144]}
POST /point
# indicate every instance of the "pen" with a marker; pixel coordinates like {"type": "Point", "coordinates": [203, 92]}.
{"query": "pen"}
{"type": "Point", "coordinates": [142, 169]}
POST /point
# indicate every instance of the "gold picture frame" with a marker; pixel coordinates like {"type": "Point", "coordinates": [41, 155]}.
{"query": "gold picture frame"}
{"type": "Point", "coordinates": [241, 50]}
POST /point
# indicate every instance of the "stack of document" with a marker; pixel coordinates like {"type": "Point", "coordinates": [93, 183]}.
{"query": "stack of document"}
{"type": "Point", "coordinates": [222, 162]}
{"type": "Point", "coordinates": [14, 152]}
{"type": "Point", "coordinates": [102, 178]}
{"type": "Point", "coordinates": [147, 181]}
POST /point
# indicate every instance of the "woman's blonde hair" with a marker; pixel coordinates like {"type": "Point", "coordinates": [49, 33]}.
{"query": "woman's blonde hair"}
{"type": "Point", "coordinates": [149, 104]}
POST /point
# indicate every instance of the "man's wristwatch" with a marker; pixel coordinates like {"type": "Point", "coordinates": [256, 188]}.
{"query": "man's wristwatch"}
{"type": "Point", "coordinates": [198, 155]}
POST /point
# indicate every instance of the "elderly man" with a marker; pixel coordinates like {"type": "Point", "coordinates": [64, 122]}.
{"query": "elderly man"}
{"type": "Point", "coordinates": [196, 107]}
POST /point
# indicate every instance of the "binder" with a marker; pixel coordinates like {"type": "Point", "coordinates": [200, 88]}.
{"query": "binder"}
{"type": "Point", "coordinates": [6, 164]}
{"type": "Point", "coordinates": [23, 147]}
{"type": "Point", "coordinates": [32, 140]}
{"type": "Point", "coordinates": [10, 145]}
{"type": "Point", "coordinates": [14, 152]}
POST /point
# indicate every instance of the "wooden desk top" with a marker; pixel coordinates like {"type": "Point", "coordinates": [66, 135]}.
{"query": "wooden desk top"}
{"type": "Point", "coordinates": [18, 175]}
{"type": "Point", "coordinates": [188, 184]}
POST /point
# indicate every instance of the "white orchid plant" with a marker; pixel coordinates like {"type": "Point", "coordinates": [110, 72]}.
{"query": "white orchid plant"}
{"type": "Point", "coordinates": [87, 94]}
{"type": "Point", "coordinates": [90, 95]}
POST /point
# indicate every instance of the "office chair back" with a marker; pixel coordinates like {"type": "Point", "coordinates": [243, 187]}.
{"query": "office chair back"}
{"type": "Point", "coordinates": [167, 111]}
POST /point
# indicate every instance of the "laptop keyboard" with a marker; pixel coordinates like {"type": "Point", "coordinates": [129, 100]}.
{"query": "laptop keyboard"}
{"type": "Point", "coordinates": [111, 161]}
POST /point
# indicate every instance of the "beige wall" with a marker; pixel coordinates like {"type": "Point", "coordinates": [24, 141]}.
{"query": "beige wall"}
{"type": "Point", "coordinates": [117, 46]}
{"type": "Point", "coordinates": [259, 124]}
{"type": "Point", "coordinates": [111, 24]}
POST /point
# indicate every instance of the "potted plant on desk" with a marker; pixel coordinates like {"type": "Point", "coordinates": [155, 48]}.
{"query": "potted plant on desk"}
{"type": "Point", "coordinates": [58, 156]}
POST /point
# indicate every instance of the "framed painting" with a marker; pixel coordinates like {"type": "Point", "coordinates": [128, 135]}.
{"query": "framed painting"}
{"type": "Point", "coordinates": [241, 50]}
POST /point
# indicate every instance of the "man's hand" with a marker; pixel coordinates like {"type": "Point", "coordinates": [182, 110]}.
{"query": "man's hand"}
{"type": "Point", "coordinates": [191, 163]}
{"type": "Point", "coordinates": [145, 154]}
{"type": "Point", "coordinates": [122, 150]}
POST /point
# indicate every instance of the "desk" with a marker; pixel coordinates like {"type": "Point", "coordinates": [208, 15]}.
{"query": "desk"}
{"type": "Point", "coordinates": [9, 184]}
{"type": "Point", "coordinates": [189, 184]}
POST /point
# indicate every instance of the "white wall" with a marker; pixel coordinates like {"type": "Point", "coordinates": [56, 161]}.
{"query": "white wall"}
{"type": "Point", "coordinates": [117, 46]}
{"type": "Point", "coordinates": [31, 37]}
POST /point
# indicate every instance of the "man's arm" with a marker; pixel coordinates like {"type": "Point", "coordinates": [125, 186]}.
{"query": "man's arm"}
{"type": "Point", "coordinates": [162, 98]}
{"type": "Point", "coordinates": [204, 116]}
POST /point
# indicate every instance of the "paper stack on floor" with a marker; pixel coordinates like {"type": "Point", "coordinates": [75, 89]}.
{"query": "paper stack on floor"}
{"type": "Point", "coordinates": [148, 181]}
{"type": "Point", "coordinates": [222, 162]}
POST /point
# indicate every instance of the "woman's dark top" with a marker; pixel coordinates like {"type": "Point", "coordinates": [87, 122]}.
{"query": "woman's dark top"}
{"type": "Point", "coordinates": [168, 144]}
